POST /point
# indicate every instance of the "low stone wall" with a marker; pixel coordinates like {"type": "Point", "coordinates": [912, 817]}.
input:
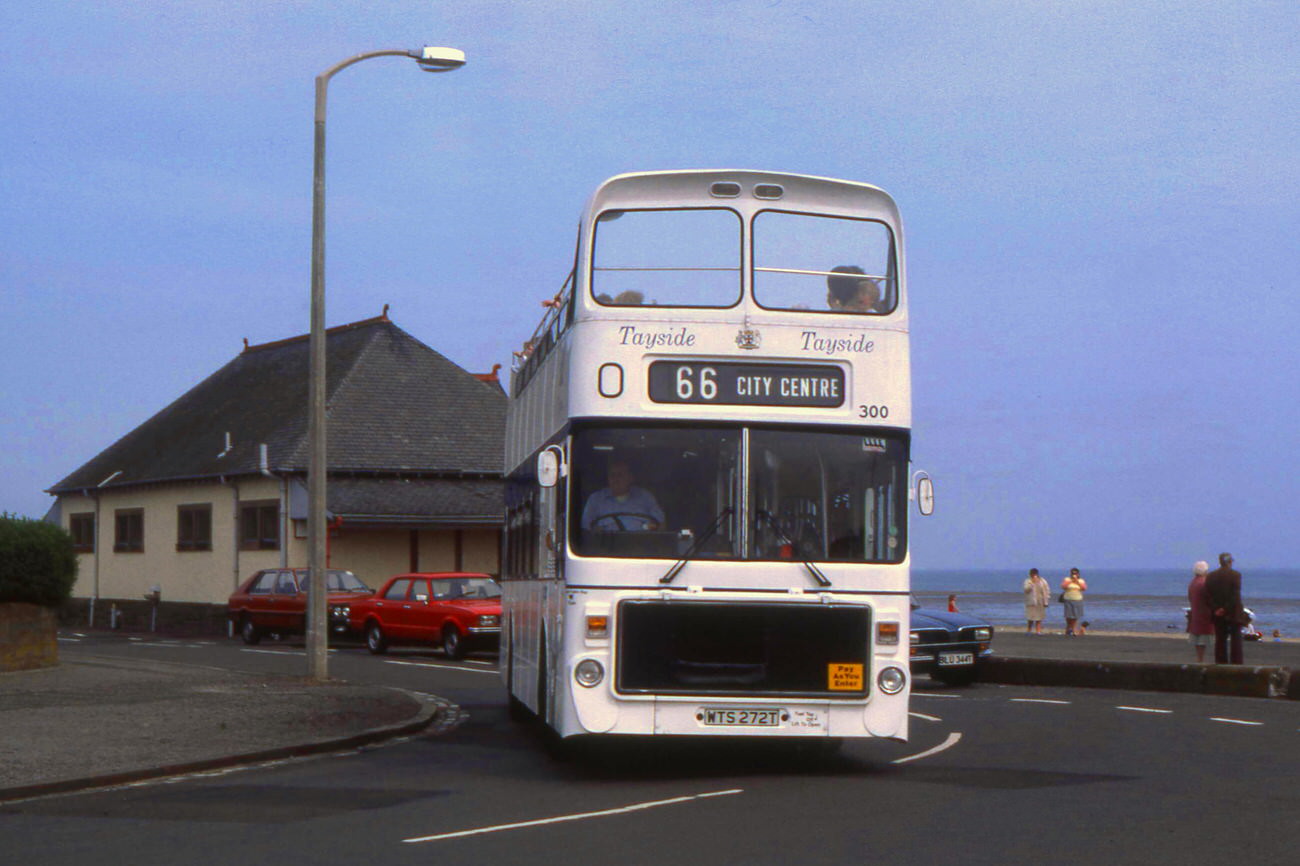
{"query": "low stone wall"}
{"type": "Point", "coordinates": [28, 637]}
{"type": "Point", "coordinates": [1238, 680]}
{"type": "Point", "coordinates": [179, 618]}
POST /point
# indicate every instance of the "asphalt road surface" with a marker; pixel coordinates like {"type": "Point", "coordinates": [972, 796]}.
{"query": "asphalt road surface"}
{"type": "Point", "coordinates": [993, 774]}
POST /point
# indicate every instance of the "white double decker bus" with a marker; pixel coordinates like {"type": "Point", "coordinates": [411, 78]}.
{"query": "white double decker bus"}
{"type": "Point", "coordinates": [708, 454]}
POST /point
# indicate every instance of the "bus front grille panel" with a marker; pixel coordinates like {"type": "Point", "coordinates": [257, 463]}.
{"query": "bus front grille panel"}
{"type": "Point", "coordinates": [699, 648]}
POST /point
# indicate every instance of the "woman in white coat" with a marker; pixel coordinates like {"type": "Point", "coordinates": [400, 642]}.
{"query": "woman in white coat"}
{"type": "Point", "coordinates": [1037, 596]}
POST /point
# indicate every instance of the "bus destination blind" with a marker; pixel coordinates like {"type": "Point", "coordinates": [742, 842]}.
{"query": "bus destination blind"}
{"type": "Point", "coordinates": [727, 384]}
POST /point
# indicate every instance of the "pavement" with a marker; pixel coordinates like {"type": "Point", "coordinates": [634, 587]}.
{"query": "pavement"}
{"type": "Point", "coordinates": [98, 722]}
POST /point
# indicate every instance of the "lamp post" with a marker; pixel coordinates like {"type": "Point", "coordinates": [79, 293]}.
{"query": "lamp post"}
{"type": "Point", "coordinates": [431, 59]}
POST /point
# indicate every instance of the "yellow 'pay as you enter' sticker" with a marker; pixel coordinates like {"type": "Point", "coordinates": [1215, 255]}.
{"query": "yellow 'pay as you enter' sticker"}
{"type": "Point", "coordinates": [844, 678]}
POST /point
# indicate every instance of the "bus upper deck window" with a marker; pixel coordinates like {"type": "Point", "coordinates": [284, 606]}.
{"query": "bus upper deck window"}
{"type": "Point", "coordinates": [667, 258]}
{"type": "Point", "coordinates": [824, 263]}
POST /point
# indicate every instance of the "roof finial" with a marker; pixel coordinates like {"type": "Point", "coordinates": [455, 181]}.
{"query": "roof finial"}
{"type": "Point", "coordinates": [384, 314]}
{"type": "Point", "coordinates": [245, 344]}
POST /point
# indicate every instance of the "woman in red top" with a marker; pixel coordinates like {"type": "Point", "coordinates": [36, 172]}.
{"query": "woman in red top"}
{"type": "Point", "coordinates": [1200, 625]}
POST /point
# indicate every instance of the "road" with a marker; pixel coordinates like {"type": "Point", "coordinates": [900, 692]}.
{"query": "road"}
{"type": "Point", "coordinates": [993, 774]}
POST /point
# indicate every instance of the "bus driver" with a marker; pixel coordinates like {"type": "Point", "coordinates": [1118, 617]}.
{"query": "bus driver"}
{"type": "Point", "coordinates": [622, 506]}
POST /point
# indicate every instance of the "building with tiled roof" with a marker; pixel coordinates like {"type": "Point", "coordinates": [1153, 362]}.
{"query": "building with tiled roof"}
{"type": "Point", "coordinates": [213, 487]}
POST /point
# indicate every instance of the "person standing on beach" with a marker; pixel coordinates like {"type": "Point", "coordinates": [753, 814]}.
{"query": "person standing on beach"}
{"type": "Point", "coordinates": [1200, 625]}
{"type": "Point", "coordinates": [1072, 590]}
{"type": "Point", "coordinates": [952, 603]}
{"type": "Point", "coordinates": [1223, 588]}
{"type": "Point", "coordinates": [1037, 596]}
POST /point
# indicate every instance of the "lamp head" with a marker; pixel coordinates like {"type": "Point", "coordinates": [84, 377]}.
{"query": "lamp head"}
{"type": "Point", "coordinates": [434, 59]}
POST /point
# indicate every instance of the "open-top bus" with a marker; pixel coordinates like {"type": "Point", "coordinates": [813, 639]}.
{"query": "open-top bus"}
{"type": "Point", "coordinates": [708, 456]}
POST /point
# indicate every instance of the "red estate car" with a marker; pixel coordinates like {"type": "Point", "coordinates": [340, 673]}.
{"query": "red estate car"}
{"type": "Point", "coordinates": [454, 609]}
{"type": "Point", "coordinates": [275, 600]}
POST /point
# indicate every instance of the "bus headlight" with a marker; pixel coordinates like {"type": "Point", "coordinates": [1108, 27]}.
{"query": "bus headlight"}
{"type": "Point", "coordinates": [891, 680]}
{"type": "Point", "coordinates": [589, 673]}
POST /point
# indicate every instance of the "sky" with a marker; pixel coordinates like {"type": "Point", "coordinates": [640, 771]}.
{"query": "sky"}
{"type": "Point", "coordinates": [1098, 198]}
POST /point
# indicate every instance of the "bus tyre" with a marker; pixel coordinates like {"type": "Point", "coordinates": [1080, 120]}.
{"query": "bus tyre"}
{"type": "Point", "coordinates": [453, 647]}
{"type": "Point", "coordinates": [517, 710]}
{"type": "Point", "coordinates": [251, 634]}
{"type": "Point", "coordinates": [375, 640]}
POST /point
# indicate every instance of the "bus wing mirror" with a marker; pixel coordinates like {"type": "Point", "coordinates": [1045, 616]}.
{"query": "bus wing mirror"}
{"type": "Point", "coordinates": [925, 495]}
{"type": "Point", "coordinates": [550, 466]}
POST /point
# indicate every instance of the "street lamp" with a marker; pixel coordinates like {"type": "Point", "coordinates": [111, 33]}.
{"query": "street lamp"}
{"type": "Point", "coordinates": [431, 59]}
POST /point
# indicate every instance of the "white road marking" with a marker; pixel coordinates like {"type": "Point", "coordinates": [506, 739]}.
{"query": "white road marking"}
{"type": "Point", "coordinates": [1144, 710]}
{"type": "Point", "coordinates": [69, 640]}
{"type": "Point", "coordinates": [441, 666]}
{"type": "Point", "coordinates": [953, 739]}
{"type": "Point", "coordinates": [932, 695]}
{"type": "Point", "coordinates": [279, 652]}
{"type": "Point", "coordinates": [1235, 721]}
{"type": "Point", "coordinates": [924, 716]}
{"type": "Point", "coordinates": [1038, 701]}
{"type": "Point", "coordinates": [577, 817]}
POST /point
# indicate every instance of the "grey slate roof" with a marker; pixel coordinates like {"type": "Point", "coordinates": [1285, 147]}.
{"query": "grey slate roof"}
{"type": "Point", "coordinates": [417, 502]}
{"type": "Point", "coordinates": [395, 407]}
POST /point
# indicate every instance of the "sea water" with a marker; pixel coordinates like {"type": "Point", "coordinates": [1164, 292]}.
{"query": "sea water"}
{"type": "Point", "coordinates": [1136, 599]}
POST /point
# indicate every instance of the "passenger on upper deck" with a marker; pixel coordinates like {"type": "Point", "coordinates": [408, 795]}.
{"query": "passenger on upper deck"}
{"type": "Point", "coordinates": [849, 293]}
{"type": "Point", "coordinates": [622, 506]}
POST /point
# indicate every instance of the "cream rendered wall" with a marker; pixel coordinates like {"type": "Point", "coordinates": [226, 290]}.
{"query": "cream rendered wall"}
{"type": "Point", "coordinates": [481, 550]}
{"type": "Point", "coordinates": [207, 576]}
{"type": "Point", "coordinates": [374, 555]}
{"type": "Point", "coordinates": [437, 551]}
{"type": "Point", "coordinates": [69, 505]}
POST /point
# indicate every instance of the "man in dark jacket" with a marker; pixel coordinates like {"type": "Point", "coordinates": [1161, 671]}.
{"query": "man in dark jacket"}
{"type": "Point", "coordinates": [1223, 587]}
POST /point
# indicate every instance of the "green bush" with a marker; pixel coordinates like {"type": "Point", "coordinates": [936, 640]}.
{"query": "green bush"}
{"type": "Point", "coordinates": [37, 562]}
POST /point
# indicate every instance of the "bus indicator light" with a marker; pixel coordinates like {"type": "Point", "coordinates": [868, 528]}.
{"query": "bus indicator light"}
{"type": "Point", "coordinates": [597, 626]}
{"type": "Point", "coordinates": [887, 633]}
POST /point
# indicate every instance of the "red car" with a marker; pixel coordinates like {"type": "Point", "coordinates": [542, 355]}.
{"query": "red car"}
{"type": "Point", "coordinates": [275, 601]}
{"type": "Point", "coordinates": [459, 611]}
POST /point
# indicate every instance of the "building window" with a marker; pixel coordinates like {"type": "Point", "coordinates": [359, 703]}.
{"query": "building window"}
{"type": "Point", "coordinates": [259, 526]}
{"type": "Point", "coordinates": [82, 528]}
{"type": "Point", "coordinates": [129, 535]}
{"type": "Point", "coordinates": [194, 527]}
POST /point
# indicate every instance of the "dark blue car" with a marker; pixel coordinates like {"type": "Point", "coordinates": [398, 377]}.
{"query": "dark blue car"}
{"type": "Point", "coordinates": [948, 646]}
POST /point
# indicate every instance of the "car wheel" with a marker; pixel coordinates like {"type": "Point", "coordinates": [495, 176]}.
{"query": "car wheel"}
{"type": "Point", "coordinates": [251, 634]}
{"type": "Point", "coordinates": [956, 678]}
{"type": "Point", "coordinates": [452, 645]}
{"type": "Point", "coordinates": [375, 640]}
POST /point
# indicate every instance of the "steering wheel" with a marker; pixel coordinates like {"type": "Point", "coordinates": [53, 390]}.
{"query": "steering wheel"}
{"type": "Point", "coordinates": [618, 516]}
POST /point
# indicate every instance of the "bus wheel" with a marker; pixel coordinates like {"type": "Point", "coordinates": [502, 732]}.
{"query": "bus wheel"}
{"type": "Point", "coordinates": [375, 640]}
{"type": "Point", "coordinates": [517, 710]}
{"type": "Point", "coordinates": [452, 645]}
{"type": "Point", "coordinates": [251, 634]}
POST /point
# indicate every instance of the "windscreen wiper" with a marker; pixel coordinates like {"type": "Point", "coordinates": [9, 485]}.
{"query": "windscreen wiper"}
{"type": "Point", "coordinates": [816, 572]}
{"type": "Point", "coordinates": [695, 548]}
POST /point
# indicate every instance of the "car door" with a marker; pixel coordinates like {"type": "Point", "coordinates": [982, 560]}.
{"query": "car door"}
{"type": "Point", "coordinates": [444, 592]}
{"type": "Point", "coordinates": [391, 608]}
{"type": "Point", "coordinates": [420, 612]}
{"type": "Point", "coordinates": [258, 603]}
{"type": "Point", "coordinates": [289, 609]}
